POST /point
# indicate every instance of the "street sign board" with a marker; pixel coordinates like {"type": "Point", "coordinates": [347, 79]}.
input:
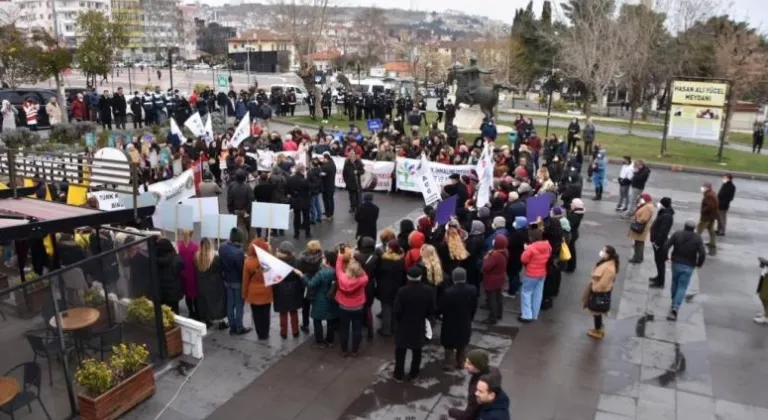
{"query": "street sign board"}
{"type": "Point", "coordinates": [223, 81]}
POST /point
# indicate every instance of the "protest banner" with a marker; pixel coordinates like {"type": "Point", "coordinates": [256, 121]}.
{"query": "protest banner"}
{"type": "Point", "coordinates": [175, 189]}
{"type": "Point", "coordinates": [377, 176]}
{"type": "Point", "coordinates": [274, 270]}
{"type": "Point", "coordinates": [406, 173]}
{"type": "Point", "coordinates": [484, 171]}
{"type": "Point", "coordinates": [266, 159]}
{"type": "Point", "coordinates": [430, 188]}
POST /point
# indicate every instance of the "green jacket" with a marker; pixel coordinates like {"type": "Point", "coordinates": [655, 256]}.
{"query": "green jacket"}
{"type": "Point", "coordinates": [323, 307]}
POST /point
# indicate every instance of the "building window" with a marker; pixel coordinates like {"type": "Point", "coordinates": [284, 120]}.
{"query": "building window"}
{"type": "Point", "coordinates": [82, 4]}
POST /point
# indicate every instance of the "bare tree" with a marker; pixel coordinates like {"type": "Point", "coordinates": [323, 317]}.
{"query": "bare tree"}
{"type": "Point", "coordinates": [374, 34]}
{"type": "Point", "coordinates": [592, 50]}
{"type": "Point", "coordinates": [304, 21]}
{"type": "Point", "coordinates": [685, 13]}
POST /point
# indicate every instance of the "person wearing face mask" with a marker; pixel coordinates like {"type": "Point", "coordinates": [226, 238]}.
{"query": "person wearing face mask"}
{"type": "Point", "coordinates": [640, 227]}
{"type": "Point", "coordinates": [724, 197]}
{"type": "Point", "coordinates": [687, 252]}
{"type": "Point", "coordinates": [573, 133]}
{"type": "Point", "coordinates": [708, 215]}
{"type": "Point", "coordinates": [640, 174]}
{"type": "Point", "coordinates": [597, 295]}
{"type": "Point", "coordinates": [660, 228]}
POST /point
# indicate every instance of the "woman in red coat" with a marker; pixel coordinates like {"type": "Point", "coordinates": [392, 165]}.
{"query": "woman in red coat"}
{"type": "Point", "coordinates": [78, 108]}
{"type": "Point", "coordinates": [494, 274]}
{"type": "Point", "coordinates": [535, 259]}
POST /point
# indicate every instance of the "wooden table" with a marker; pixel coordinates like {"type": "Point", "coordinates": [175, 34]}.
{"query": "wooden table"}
{"type": "Point", "coordinates": [76, 319]}
{"type": "Point", "coordinates": [9, 387]}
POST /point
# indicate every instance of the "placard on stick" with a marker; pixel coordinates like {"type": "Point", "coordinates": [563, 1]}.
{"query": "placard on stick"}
{"type": "Point", "coordinates": [445, 210]}
{"type": "Point", "coordinates": [270, 215]}
{"type": "Point", "coordinates": [218, 227]}
{"type": "Point", "coordinates": [202, 207]}
{"type": "Point", "coordinates": [538, 206]}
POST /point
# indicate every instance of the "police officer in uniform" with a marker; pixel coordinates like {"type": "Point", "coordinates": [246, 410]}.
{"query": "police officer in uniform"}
{"type": "Point", "coordinates": [159, 100]}
{"type": "Point", "coordinates": [325, 104]}
{"type": "Point", "coordinates": [148, 103]}
{"type": "Point", "coordinates": [341, 102]}
{"type": "Point", "coordinates": [349, 105]}
{"type": "Point", "coordinates": [359, 105]}
{"type": "Point", "coordinates": [284, 103]}
{"type": "Point", "coordinates": [423, 111]}
{"type": "Point", "coordinates": [136, 109]}
{"type": "Point", "coordinates": [292, 101]}
{"type": "Point", "coordinates": [368, 106]}
{"type": "Point", "coordinates": [400, 107]}
{"type": "Point", "coordinates": [310, 101]}
{"type": "Point", "coordinates": [408, 103]}
{"type": "Point", "coordinates": [261, 96]}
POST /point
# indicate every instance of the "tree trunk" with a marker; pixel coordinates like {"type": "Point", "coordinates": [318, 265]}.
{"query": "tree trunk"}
{"type": "Point", "coordinates": [631, 117]}
{"type": "Point", "coordinates": [60, 97]}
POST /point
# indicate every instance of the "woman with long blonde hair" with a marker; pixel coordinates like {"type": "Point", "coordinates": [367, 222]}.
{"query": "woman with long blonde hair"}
{"type": "Point", "coordinates": [545, 183]}
{"type": "Point", "coordinates": [451, 250]}
{"type": "Point", "coordinates": [211, 301]}
{"type": "Point", "coordinates": [433, 269]}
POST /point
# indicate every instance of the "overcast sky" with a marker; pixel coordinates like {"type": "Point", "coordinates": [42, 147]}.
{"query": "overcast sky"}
{"type": "Point", "coordinates": [755, 11]}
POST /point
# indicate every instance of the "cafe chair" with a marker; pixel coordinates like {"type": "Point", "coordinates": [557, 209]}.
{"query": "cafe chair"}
{"type": "Point", "coordinates": [46, 346]}
{"type": "Point", "coordinates": [102, 341]}
{"type": "Point", "coordinates": [30, 390]}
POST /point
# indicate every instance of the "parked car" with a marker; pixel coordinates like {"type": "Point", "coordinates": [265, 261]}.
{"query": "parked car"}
{"type": "Point", "coordinates": [17, 97]}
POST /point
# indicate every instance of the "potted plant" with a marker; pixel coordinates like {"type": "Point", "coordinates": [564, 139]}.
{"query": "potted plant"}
{"type": "Point", "coordinates": [141, 311]}
{"type": "Point", "coordinates": [111, 389]}
{"type": "Point", "coordinates": [94, 298]}
{"type": "Point", "coordinates": [32, 297]}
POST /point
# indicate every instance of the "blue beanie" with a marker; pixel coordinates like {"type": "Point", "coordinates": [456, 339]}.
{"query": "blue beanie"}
{"type": "Point", "coordinates": [520, 222]}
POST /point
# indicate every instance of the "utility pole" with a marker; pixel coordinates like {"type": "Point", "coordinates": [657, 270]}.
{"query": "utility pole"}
{"type": "Point", "coordinates": [170, 66]}
{"type": "Point", "coordinates": [551, 91]}
{"type": "Point", "coordinates": [59, 92]}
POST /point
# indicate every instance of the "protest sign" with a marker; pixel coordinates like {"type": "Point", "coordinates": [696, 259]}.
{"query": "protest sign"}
{"type": "Point", "coordinates": [538, 206]}
{"type": "Point", "coordinates": [177, 131]}
{"type": "Point", "coordinates": [266, 159]}
{"type": "Point", "coordinates": [195, 124]}
{"type": "Point", "coordinates": [174, 189]}
{"type": "Point", "coordinates": [109, 200]}
{"type": "Point", "coordinates": [218, 227]}
{"type": "Point", "coordinates": [241, 132]}
{"type": "Point", "coordinates": [485, 173]}
{"type": "Point", "coordinates": [209, 129]}
{"type": "Point", "coordinates": [274, 270]}
{"type": "Point", "coordinates": [377, 176]}
{"type": "Point", "coordinates": [174, 217]}
{"type": "Point", "coordinates": [270, 215]}
{"type": "Point", "coordinates": [445, 210]}
{"type": "Point", "coordinates": [374, 125]}
{"type": "Point", "coordinates": [202, 207]}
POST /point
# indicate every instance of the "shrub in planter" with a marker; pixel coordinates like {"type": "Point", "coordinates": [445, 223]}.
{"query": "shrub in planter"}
{"type": "Point", "coordinates": [128, 359]}
{"type": "Point", "coordinates": [93, 298]}
{"type": "Point", "coordinates": [142, 312]}
{"type": "Point", "coordinates": [95, 377]}
{"type": "Point", "coordinates": [19, 138]}
{"type": "Point", "coordinates": [71, 133]}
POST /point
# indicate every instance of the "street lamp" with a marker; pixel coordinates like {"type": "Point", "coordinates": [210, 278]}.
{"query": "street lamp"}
{"type": "Point", "coordinates": [248, 64]}
{"type": "Point", "coordinates": [551, 91]}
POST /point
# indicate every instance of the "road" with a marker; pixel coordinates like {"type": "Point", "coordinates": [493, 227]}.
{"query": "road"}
{"type": "Point", "coordinates": [710, 363]}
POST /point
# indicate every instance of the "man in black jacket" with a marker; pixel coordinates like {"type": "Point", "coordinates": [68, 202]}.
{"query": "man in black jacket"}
{"type": "Point", "coordinates": [366, 217]}
{"type": "Point", "coordinates": [263, 192]}
{"type": "Point", "coordinates": [724, 197]}
{"type": "Point", "coordinates": [688, 252]}
{"type": "Point", "coordinates": [119, 107]}
{"type": "Point", "coordinates": [659, 233]}
{"type": "Point", "coordinates": [450, 114]}
{"type": "Point", "coordinates": [639, 178]}
{"type": "Point", "coordinates": [105, 110]}
{"type": "Point", "coordinates": [239, 199]}
{"type": "Point", "coordinates": [353, 169]}
{"type": "Point", "coordinates": [328, 172]}
{"type": "Point", "coordinates": [414, 304]}
{"type": "Point", "coordinates": [297, 187]}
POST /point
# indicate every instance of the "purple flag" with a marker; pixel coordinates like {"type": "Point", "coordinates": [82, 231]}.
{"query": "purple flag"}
{"type": "Point", "coordinates": [446, 209]}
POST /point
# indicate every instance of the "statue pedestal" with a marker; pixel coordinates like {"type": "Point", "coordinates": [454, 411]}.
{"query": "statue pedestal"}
{"type": "Point", "coordinates": [468, 120]}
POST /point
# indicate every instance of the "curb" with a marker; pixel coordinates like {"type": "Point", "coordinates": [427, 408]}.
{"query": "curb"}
{"type": "Point", "coordinates": [697, 170]}
{"type": "Point", "coordinates": [653, 165]}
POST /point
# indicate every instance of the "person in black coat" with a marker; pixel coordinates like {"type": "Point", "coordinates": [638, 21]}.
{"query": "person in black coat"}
{"type": "Point", "coordinates": [352, 171]}
{"type": "Point", "coordinates": [105, 110]}
{"type": "Point", "coordinates": [137, 109]}
{"type": "Point", "coordinates": [366, 255]}
{"type": "Point", "coordinates": [119, 107]}
{"type": "Point", "coordinates": [414, 306]}
{"type": "Point", "coordinates": [724, 197]}
{"type": "Point", "coordinates": [457, 306]}
{"type": "Point", "coordinates": [406, 227]}
{"type": "Point", "coordinates": [474, 244]}
{"type": "Point", "coordinates": [660, 229]}
{"type": "Point", "coordinates": [169, 268]}
{"type": "Point", "coordinates": [390, 277]}
{"type": "Point", "coordinates": [553, 233]}
{"type": "Point", "coordinates": [574, 215]}
{"type": "Point", "coordinates": [239, 199]}
{"type": "Point", "coordinates": [298, 190]}
{"type": "Point", "coordinates": [518, 239]}
{"type": "Point", "coordinates": [263, 192]}
{"type": "Point", "coordinates": [457, 188]}
{"type": "Point", "coordinates": [366, 217]}
{"type": "Point", "coordinates": [289, 293]}
{"type": "Point", "coordinates": [328, 172]}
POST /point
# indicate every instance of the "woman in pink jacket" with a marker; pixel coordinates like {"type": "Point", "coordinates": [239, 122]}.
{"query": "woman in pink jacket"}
{"type": "Point", "coordinates": [187, 249]}
{"type": "Point", "coordinates": [535, 258]}
{"type": "Point", "coordinates": [350, 295]}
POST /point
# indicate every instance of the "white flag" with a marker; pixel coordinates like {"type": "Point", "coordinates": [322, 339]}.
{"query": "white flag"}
{"type": "Point", "coordinates": [209, 128]}
{"type": "Point", "coordinates": [177, 131]}
{"type": "Point", "coordinates": [242, 132]}
{"type": "Point", "coordinates": [430, 189]}
{"type": "Point", "coordinates": [485, 172]}
{"type": "Point", "coordinates": [274, 269]}
{"type": "Point", "coordinates": [195, 124]}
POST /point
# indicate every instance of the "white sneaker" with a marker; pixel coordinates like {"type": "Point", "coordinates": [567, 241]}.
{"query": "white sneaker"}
{"type": "Point", "coordinates": [761, 319]}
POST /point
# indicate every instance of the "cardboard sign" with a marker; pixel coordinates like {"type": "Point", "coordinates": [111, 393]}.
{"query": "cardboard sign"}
{"type": "Point", "coordinates": [274, 269]}
{"type": "Point", "coordinates": [446, 209]}
{"type": "Point", "coordinates": [202, 207]}
{"type": "Point", "coordinates": [430, 189]}
{"type": "Point", "coordinates": [374, 124]}
{"type": "Point", "coordinates": [175, 217]}
{"type": "Point", "coordinates": [538, 206]}
{"type": "Point", "coordinates": [218, 227]}
{"type": "Point", "coordinates": [270, 215]}
{"type": "Point", "coordinates": [109, 200]}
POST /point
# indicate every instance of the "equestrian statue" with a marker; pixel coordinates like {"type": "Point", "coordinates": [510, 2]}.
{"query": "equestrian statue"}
{"type": "Point", "coordinates": [470, 90]}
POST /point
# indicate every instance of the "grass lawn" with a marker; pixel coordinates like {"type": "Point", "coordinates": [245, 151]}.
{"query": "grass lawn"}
{"type": "Point", "coordinates": [678, 152]}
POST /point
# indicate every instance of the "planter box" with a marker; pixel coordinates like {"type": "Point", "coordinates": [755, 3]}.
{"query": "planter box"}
{"type": "Point", "coordinates": [30, 302]}
{"type": "Point", "coordinates": [173, 342]}
{"type": "Point", "coordinates": [118, 400]}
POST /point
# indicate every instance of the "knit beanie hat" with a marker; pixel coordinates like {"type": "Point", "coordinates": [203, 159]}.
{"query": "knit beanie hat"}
{"type": "Point", "coordinates": [666, 202]}
{"type": "Point", "coordinates": [285, 247]}
{"type": "Point", "coordinates": [499, 222]}
{"type": "Point", "coordinates": [414, 274]}
{"type": "Point", "coordinates": [524, 188]}
{"type": "Point", "coordinates": [459, 275]}
{"type": "Point", "coordinates": [479, 359]}
{"type": "Point", "coordinates": [483, 212]}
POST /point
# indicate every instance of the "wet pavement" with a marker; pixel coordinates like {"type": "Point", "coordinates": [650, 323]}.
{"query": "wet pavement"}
{"type": "Point", "coordinates": [710, 364]}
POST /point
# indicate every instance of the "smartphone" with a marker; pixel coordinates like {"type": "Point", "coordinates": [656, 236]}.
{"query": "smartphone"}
{"type": "Point", "coordinates": [342, 248]}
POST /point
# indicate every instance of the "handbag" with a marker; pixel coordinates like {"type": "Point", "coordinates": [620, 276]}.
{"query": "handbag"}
{"type": "Point", "coordinates": [637, 227]}
{"type": "Point", "coordinates": [565, 252]}
{"type": "Point", "coordinates": [427, 329]}
{"type": "Point", "coordinates": [599, 301]}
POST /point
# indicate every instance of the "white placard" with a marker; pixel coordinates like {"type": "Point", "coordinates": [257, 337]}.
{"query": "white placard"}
{"type": "Point", "coordinates": [218, 227]}
{"type": "Point", "coordinates": [209, 128]}
{"type": "Point", "coordinates": [485, 173]}
{"type": "Point", "coordinates": [195, 124]}
{"type": "Point", "coordinates": [274, 269]}
{"type": "Point", "coordinates": [144, 199]}
{"type": "Point", "coordinates": [270, 215]}
{"type": "Point", "coordinates": [176, 216]}
{"type": "Point", "coordinates": [202, 207]}
{"type": "Point", "coordinates": [110, 200]}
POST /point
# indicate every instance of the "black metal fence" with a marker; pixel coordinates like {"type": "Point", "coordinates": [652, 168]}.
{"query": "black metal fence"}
{"type": "Point", "coordinates": [104, 293]}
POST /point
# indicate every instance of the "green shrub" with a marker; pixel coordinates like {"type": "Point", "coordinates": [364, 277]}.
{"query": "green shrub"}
{"type": "Point", "coordinates": [71, 133]}
{"type": "Point", "coordinates": [142, 311]}
{"type": "Point", "coordinates": [93, 297]}
{"type": "Point", "coordinates": [95, 377]}
{"type": "Point", "coordinates": [560, 105]}
{"type": "Point", "coordinates": [128, 359]}
{"type": "Point", "coordinates": [19, 138]}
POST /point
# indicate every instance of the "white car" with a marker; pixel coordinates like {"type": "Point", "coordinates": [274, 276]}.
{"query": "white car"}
{"type": "Point", "coordinates": [218, 66]}
{"type": "Point", "coordinates": [201, 66]}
